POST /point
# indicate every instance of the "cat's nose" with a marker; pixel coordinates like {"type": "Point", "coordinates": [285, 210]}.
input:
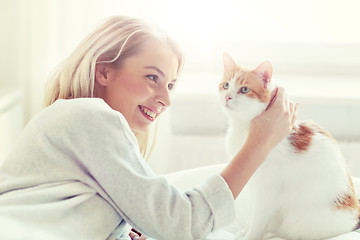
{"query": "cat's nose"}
{"type": "Point", "coordinates": [228, 97]}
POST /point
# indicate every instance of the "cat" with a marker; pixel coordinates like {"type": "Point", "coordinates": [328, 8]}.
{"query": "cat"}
{"type": "Point", "coordinates": [303, 190]}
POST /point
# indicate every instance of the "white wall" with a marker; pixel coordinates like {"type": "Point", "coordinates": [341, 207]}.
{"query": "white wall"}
{"type": "Point", "coordinates": [299, 37]}
{"type": "Point", "coordinates": [11, 75]}
{"type": "Point", "coordinates": [11, 120]}
{"type": "Point", "coordinates": [10, 43]}
{"type": "Point", "coordinates": [314, 45]}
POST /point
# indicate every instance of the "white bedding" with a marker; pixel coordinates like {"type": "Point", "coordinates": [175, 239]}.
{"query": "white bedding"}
{"type": "Point", "coordinates": [183, 180]}
{"type": "Point", "coordinates": [186, 179]}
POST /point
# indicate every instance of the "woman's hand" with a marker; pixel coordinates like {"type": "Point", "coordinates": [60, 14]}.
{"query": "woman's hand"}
{"type": "Point", "coordinates": [273, 125]}
{"type": "Point", "coordinates": [134, 235]}
{"type": "Point", "coordinates": [266, 131]}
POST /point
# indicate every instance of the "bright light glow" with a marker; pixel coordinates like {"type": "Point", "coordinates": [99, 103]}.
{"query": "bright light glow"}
{"type": "Point", "coordinates": [306, 20]}
{"type": "Point", "coordinates": [207, 28]}
{"type": "Point", "coordinates": [307, 39]}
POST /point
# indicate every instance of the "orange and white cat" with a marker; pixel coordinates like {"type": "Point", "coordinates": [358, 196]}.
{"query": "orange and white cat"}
{"type": "Point", "coordinates": [303, 189]}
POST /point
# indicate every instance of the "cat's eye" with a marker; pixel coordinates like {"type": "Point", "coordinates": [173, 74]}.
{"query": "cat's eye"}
{"type": "Point", "coordinates": [226, 85]}
{"type": "Point", "coordinates": [171, 86]}
{"type": "Point", "coordinates": [244, 90]}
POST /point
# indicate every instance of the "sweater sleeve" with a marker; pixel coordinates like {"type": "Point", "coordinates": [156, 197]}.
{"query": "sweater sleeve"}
{"type": "Point", "coordinates": [100, 140]}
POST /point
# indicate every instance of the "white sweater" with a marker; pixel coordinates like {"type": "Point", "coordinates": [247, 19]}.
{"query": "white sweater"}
{"type": "Point", "coordinates": [77, 173]}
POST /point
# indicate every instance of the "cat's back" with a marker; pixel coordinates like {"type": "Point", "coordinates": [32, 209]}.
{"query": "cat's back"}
{"type": "Point", "coordinates": [306, 134]}
{"type": "Point", "coordinates": [308, 160]}
{"type": "Point", "coordinates": [309, 148]}
{"type": "Point", "coordinates": [310, 171]}
{"type": "Point", "coordinates": [311, 143]}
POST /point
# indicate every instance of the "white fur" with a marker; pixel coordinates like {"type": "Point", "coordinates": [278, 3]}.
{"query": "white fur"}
{"type": "Point", "coordinates": [292, 194]}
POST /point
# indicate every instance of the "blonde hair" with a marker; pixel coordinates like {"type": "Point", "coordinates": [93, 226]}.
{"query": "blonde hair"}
{"type": "Point", "coordinates": [113, 41]}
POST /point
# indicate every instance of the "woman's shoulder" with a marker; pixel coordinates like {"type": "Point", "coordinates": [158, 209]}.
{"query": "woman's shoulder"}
{"type": "Point", "coordinates": [91, 115]}
{"type": "Point", "coordinates": [81, 105]}
{"type": "Point", "coordinates": [80, 108]}
{"type": "Point", "coordinates": [86, 111]}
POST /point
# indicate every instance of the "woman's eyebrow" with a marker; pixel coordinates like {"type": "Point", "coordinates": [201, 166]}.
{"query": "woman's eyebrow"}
{"type": "Point", "coordinates": [156, 69]}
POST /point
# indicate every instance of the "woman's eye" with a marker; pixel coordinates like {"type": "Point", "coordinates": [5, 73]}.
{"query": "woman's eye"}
{"type": "Point", "coordinates": [152, 77]}
{"type": "Point", "coordinates": [244, 90]}
{"type": "Point", "coordinates": [226, 85]}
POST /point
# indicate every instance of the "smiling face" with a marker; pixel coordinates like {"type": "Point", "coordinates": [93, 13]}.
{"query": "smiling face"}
{"type": "Point", "coordinates": [141, 88]}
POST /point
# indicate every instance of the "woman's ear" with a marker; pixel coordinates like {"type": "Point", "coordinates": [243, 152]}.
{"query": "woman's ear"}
{"type": "Point", "coordinates": [102, 74]}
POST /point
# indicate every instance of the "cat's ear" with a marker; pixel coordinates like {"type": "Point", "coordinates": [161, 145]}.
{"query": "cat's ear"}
{"type": "Point", "coordinates": [229, 63]}
{"type": "Point", "coordinates": [264, 70]}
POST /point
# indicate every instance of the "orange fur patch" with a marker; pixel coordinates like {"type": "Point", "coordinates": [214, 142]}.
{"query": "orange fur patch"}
{"type": "Point", "coordinates": [348, 201]}
{"type": "Point", "coordinates": [247, 78]}
{"type": "Point", "coordinates": [263, 96]}
{"type": "Point", "coordinates": [323, 131]}
{"type": "Point", "coordinates": [257, 89]}
{"type": "Point", "coordinates": [227, 77]}
{"type": "Point", "coordinates": [301, 137]}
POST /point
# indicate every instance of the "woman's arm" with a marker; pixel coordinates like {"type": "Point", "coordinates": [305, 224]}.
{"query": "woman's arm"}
{"type": "Point", "coordinates": [266, 131]}
{"type": "Point", "coordinates": [102, 145]}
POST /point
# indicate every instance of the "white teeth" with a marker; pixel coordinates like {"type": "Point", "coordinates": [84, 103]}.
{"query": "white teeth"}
{"type": "Point", "coordinates": [148, 112]}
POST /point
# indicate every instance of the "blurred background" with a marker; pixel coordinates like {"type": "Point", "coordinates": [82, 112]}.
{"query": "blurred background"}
{"type": "Point", "coordinates": [314, 46]}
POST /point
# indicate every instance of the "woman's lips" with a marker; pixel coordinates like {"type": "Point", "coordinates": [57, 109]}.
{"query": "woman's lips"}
{"type": "Point", "coordinates": [148, 113]}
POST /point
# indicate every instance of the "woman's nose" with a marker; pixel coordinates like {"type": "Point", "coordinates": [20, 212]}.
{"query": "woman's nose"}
{"type": "Point", "coordinates": [163, 98]}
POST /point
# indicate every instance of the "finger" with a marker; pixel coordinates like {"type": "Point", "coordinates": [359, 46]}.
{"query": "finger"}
{"type": "Point", "coordinates": [274, 92]}
{"type": "Point", "coordinates": [296, 111]}
{"type": "Point", "coordinates": [281, 95]}
{"type": "Point", "coordinates": [288, 105]}
{"type": "Point", "coordinates": [280, 99]}
{"type": "Point", "coordinates": [133, 235]}
{"type": "Point", "coordinates": [272, 98]}
{"type": "Point", "coordinates": [294, 114]}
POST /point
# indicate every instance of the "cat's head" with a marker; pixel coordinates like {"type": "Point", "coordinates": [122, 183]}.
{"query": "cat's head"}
{"type": "Point", "coordinates": [245, 93]}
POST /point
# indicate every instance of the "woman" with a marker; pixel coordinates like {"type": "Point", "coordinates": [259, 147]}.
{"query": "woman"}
{"type": "Point", "coordinates": [78, 172]}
